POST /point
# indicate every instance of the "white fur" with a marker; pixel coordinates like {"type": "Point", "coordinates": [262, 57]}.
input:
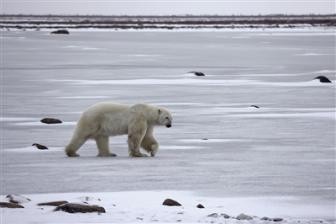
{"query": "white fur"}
{"type": "Point", "coordinates": [106, 119]}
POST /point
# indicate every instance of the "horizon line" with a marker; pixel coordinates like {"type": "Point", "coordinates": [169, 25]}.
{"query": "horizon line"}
{"type": "Point", "coordinates": [171, 15]}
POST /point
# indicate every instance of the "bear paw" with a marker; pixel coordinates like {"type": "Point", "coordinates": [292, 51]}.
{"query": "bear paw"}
{"type": "Point", "coordinates": [72, 154]}
{"type": "Point", "coordinates": [154, 150]}
{"type": "Point", "coordinates": [106, 155]}
{"type": "Point", "coordinates": [138, 154]}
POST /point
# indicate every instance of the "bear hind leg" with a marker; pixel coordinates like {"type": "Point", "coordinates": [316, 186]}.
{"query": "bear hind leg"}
{"type": "Point", "coordinates": [103, 146]}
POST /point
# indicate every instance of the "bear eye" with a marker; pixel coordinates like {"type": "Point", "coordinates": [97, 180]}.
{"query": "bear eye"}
{"type": "Point", "coordinates": [167, 118]}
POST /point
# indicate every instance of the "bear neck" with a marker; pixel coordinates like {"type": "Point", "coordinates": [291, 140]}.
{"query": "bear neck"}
{"type": "Point", "coordinates": [152, 120]}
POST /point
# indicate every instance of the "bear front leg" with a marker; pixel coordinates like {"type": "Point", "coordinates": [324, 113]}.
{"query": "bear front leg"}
{"type": "Point", "coordinates": [150, 145]}
{"type": "Point", "coordinates": [134, 146]}
{"type": "Point", "coordinates": [76, 142]}
{"type": "Point", "coordinates": [103, 146]}
{"type": "Point", "coordinates": [136, 132]}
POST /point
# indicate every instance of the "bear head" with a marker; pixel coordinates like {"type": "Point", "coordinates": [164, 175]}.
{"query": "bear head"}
{"type": "Point", "coordinates": [165, 118]}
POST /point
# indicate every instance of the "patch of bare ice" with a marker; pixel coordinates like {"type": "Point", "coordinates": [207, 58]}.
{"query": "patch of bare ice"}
{"type": "Point", "coordinates": [15, 119]}
{"type": "Point", "coordinates": [85, 48]}
{"type": "Point", "coordinates": [325, 71]}
{"type": "Point", "coordinates": [143, 55]}
{"type": "Point", "coordinates": [211, 140]}
{"type": "Point", "coordinates": [188, 81]}
{"type": "Point", "coordinates": [178, 147]}
{"type": "Point", "coordinates": [90, 48]}
{"type": "Point", "coordinates": [38, 123]}
{"type": "Point", "coordinates": [83, 97]}
{"type": "Point", "coordinates": [324, 115]}
{"type": "Point", "coordinates": [33, 149]}
{"type": "Point", "coordinates": [311, 54]}
{"type": "Point", "coordinates": [178, 103]}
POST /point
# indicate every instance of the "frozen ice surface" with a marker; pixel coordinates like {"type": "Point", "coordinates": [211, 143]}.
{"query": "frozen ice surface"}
{"type": "Point", "coordinates": [286, 148]}
{"type": "Point", "coordinates": [38, 123]}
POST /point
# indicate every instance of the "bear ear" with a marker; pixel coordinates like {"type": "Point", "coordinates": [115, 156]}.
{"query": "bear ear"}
{"type": "Point", "coordinates": [159, 111]}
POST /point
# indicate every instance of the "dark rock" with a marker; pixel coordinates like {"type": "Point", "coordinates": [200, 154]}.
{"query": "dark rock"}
{"type": "Point", "coordinates": [225, 216]}
{"type": "Point", "coordinates": [266, 219]}
{"type": "Point", "coordinates": [216, 215]}
{"type": "Point", "coordinates": [170, 202]}
{"type": "Point", "coordinates": [213, 215]}
{"type": "Point", "coordinates": [243, 216]}
{"type": "Point", "coordinates": [17, 199]}
{"type": "Point", "coordinates": [49, 120]}
{"type": "Point", "coordinates": [255, 106]}
{"type": "Point", "coordinates": [79, 208]}
{"type": "Point", "coordinates": [205, 139]}
{"type": "Point", "coordinates": [323, 79]}
{"type": "Point", "coordinates": [60, 32]}
{"type": "Point", "coordinates": [277, 219]}
{"type": "Point", "coordinates": [198, 73]}
{"type": "Point", "coordinates": [52, 203]}
{"type": "Point", "coordinates": [41, 147]}
{"type": "Point", "coordinates": [200, 206]}
{"type": "Point", "coordinates": [10, 205]}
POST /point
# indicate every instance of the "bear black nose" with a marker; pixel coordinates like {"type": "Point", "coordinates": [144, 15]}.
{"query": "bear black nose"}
{"type": "Point", "coordinates": [168, 125]}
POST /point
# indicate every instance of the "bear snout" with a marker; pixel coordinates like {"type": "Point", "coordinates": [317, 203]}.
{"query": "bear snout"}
{"type": "Point", "coordinates": [168, 125]}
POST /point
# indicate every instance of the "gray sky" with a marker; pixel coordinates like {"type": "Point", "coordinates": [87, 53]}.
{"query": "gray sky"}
{"type": "Point", "coordinates": [167, 7]}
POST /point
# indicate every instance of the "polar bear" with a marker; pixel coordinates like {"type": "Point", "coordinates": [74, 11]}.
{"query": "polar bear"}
{"type": "Point", "coordinates": [106, 119]}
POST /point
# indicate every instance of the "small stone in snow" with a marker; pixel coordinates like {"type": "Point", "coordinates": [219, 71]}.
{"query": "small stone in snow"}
{"type": "Point", "coordinates": [213, 215]}
{"type": "Point", "coordinates": [216, 215]}
{"type": "Point", "coordinates": [10, 205]}
{"type": "Point", "coordinates": [170, 202]}
{"type": "Point", "coordinates": [266, 219]}
{"type": "Point", "coordinates": [277, 219]}
{"type": "Point", "coordinates": [39, 146]}
{"type": "Point", "coordinates": [225, 216]}
{"type": "Point", "coordinates": [200, 206]}
{"type": "Point", "coordinates": [49, 120]}
{"type": "Point", "coordinates": [323, 79]}
{"type": "Point", "coordinates": [243, 216]}
{"type": "Point", "coordinates": [255, 106]}
{"type": "Point", "coordinates": [60, 32]}
{"type": "Point", "coordinates": [197, 73]}
{"type": "Point", "coordinates": [79, 208]}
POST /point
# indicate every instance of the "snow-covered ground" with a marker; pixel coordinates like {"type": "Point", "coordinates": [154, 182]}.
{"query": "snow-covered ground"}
{"type": "Point", "coordinates": [277, 160]}
{"type": "Point", "coordinates": [146, 207]}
